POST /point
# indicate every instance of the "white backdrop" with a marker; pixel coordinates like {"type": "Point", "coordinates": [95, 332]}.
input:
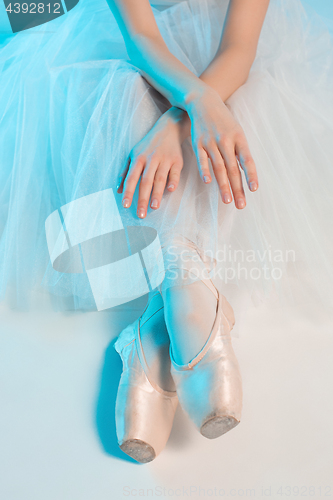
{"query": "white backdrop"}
{"type": "Point", "coordinates": [58, 383]}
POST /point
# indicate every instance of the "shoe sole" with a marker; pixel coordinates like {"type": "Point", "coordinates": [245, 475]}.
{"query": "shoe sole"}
{"type": "Point", "coordinates": [218, 425]}
{"type": "Point", "coordinates": [139, 450]}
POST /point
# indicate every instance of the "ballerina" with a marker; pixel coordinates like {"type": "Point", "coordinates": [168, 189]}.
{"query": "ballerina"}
{"type": "Point", "coordinates": [144, 417]}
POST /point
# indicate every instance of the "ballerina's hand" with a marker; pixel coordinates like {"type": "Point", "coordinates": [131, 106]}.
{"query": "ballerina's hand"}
{"type": "Point", "coordinates": [217, 135]}
{"type": "Point", "coordinates": [158, 160]}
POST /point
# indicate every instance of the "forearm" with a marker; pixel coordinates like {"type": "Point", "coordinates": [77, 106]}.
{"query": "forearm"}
{"type": "Point", "coordinates": [226, 73]}
{"type": "Point", "coordinates": [164, 71]}
{"type": "Point", "coordinates": [148, 51]}
{"type": "Point", "coordinates": [228, 70]}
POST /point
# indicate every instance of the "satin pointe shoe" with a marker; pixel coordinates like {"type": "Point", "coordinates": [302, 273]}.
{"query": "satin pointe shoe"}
{"type": "Point", "coordinates": [209, 387]}
{"type": "Point", "coordinates": [144, 411]}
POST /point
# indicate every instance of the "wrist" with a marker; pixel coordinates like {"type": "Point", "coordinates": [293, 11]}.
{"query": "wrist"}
{"type": "Point", "coordinates": [201, 93]}
{"type": "Point", "coordinates": [179, 120]}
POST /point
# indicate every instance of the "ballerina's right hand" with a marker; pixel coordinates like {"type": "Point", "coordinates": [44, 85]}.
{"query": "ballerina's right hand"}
{"type": "Point", "coordinates": [218, 136]}
{"type": "Point", "coordinates": [158, 160]}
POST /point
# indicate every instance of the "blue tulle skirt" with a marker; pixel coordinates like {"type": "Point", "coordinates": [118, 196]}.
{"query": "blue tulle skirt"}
{"type": "Point", "coordinates": [72, 107]}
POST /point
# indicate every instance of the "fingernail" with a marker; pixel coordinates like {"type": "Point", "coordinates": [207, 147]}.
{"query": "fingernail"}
{"type": "Point", "coordinates": [171, 186]}
{"type": "Point", "coordinates": [125, 202]}
{"type": "Point", "coordinates": [253, 186]}
{"type": "Point", "coordinates": [241, 203]}
{"type": "Point", "coordinates": [227, 198]}
{"type": "Point", "coordinates": [154, 204]}
{"type": "Point", "coordinates": [206, 178]}
{"type": "Point", "coordinates": [141, 213]}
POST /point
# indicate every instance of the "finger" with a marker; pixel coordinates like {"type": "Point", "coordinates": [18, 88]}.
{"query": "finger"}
{"type": "Point", "coordinates": [220, 173]}
{"type": "Point", "coordinates": [202, 160]}
{"type": "Point", "coordinates": [174, 175]}
{"type": "Point", "coordinates": [160, 180]}
{"type": "Point", "coordinates": [132, 178]}
{"type": "Point", "coordinates": [247, 163]}
{"type": "Point", "coordinates": [146, 186]}
{"type": "Point", "coordinates": [227, 149]}
{"type": "Point", "coordinates": [122, 176]}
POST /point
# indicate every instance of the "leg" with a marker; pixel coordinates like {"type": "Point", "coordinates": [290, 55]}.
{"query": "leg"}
{"type": "Point", "coordinates": [189, 312]}
{"type": "Point", "coordinates": [189, 305]}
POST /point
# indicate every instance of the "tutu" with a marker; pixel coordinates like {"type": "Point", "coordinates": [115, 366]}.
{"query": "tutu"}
{"type": "Point", "coordinates": [72, 107]}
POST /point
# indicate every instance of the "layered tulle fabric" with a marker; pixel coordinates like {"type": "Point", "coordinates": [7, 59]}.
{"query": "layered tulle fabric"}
{"type": "Point", "coordinates": [72, 107]}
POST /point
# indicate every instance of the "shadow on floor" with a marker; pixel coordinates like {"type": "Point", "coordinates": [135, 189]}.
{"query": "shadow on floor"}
{"type": "Point", "coordinates": [105, 411]}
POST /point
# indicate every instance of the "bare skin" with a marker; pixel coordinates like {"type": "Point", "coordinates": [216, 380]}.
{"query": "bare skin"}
{"type": "Point", "coordinates": [198, 107]}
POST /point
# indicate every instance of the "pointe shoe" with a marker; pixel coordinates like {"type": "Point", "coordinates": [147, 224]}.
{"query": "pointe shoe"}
{"type": "Point", "coordinates": [209, 387]}
{"type": "Point", "coordinates": [144, 411]}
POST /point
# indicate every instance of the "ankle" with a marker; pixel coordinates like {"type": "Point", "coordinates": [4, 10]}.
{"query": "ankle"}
{"type": "Point", "coordinates": [190, 313]}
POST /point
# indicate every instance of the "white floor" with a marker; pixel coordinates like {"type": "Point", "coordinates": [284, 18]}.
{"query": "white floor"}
{"type": "Point", "coordinates": [59, 376]}
{"type": "Point", "coordinates": [58, 383]}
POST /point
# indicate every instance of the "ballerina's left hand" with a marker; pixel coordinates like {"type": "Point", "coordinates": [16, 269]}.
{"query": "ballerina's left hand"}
{"type": "Point", "coordinates": [158, 158]}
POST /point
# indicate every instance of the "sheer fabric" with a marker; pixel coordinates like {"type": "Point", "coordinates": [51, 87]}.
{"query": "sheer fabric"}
{"type": "Point", "coordinates": [72, 106]}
